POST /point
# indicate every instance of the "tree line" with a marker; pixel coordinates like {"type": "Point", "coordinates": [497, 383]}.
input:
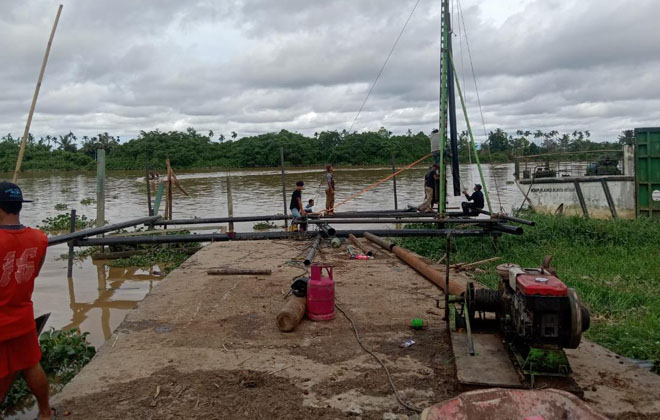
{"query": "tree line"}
{"type": "Point", "coordinates": [192, 149]}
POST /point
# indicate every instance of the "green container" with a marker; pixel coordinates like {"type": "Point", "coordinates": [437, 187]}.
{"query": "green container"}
{"type": "Point", "coordinates": [647, 172]}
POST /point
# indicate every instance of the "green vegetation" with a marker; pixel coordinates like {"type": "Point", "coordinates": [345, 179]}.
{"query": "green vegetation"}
{"type": "Point", "coordinates": [191, 149]}
{"type": "Point", "coordinates": [62, 222]}
{"type": "Point", "coordinates": [87, 201]}
{"type": "Point", "coordinates": [64, 354]}
{"type": "Point", "coordinates": [264, 226]}
{"type": "Point", "coordinates": [613, 265]}
{"type": "Point", "coordinates": [169, 257]}
{"type": "Point", "coordinates": [61, 206]}
{"type": "Point", "coordinates": [80, 254]}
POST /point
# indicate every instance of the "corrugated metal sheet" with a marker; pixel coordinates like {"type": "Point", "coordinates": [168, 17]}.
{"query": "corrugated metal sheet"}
{"type": "Point", "coordinates": [647, 172]}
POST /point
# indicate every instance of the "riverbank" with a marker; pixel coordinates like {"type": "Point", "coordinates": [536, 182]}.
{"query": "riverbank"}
{"type": "Point", "coordinates": [613, 264]}
{"type": "Point", "coordinates": [203, 346]}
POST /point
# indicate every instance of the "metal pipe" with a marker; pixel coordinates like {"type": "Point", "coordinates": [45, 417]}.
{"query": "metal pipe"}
{"type": "Point", "coordinates": [431, 274]}
{"type": "Point", "coordinates": [60, 239]}
{"type": "Point", "coordinates": [247, 236]}
{"type": "Point", "coordinates": [311, 253]}
{"type": "Point", "coordinates": [514, 230]}
{"type": "Point", "coordinates": [383, 243]}
{"type": "Point", "coordinates": [328, 231]}
{"type": "Point", "coordinates": [509, 218]}
{"type": "Point", "coordinates": [403, 220]}
{"type": "Point", "coordinates": [207, 220]}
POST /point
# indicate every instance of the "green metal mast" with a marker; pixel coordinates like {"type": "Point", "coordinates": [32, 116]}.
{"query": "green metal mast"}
{"type": "Point", "coordinates": [444, 61]}
{"type": "Point", "coordinates": [469, 129]}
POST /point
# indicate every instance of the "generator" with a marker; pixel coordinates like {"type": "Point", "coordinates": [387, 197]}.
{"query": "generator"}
{"type": "Point", "coordinates": [535, 312]}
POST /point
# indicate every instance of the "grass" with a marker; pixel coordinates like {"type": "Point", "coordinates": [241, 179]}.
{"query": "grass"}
{"type": "Point", "coordinates": [62, 222]}
{"type": "Point", "coordinates": [264, 226]}
{"type": "Point", "coordinates": [613, 265]}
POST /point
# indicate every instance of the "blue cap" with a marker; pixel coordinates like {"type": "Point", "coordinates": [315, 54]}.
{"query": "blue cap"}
{"type": "Point", "coordinates": [11, 193]}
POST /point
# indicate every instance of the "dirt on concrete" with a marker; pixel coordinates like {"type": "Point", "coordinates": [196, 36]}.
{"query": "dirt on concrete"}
{"type": "Point", "coordinates": [202, 346]}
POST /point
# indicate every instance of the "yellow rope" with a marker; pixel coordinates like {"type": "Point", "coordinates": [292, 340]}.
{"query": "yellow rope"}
{"type": "Point", "coordinates": [377, 183]}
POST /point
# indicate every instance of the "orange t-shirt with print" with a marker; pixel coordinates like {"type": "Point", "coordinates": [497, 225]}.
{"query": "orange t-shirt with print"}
{"type": "Point", "coordinates": [22, 251]}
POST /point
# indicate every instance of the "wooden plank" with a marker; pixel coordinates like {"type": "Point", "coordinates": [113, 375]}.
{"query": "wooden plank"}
{"type": "Point", "coordinates": [490, 366]}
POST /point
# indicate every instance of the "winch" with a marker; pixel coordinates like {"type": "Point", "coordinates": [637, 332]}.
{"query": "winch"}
{"type": "Point", "coordinates": [536, 313]}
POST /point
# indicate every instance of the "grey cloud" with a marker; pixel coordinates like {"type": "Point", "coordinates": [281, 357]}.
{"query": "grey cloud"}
{"type": "Point", "coordinates": [259, 65]}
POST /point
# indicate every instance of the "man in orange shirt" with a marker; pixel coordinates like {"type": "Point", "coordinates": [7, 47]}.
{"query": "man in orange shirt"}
{"type": "Point", "coordinates": [22, 253]}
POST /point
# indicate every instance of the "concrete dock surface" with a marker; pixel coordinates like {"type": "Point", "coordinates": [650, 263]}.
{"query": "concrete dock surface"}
{"type": "Point", "coordinates": [203, 346]}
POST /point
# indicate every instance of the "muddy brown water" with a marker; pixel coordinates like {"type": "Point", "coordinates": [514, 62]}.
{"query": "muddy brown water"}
{"type": "Point", "coordinates": [98, 297]}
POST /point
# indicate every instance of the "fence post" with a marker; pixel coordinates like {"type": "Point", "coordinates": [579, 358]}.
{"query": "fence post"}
{"type": "Point", "coordinates": [396, 204]}
{"type": "Point", "coordinates": [283, 186]}
{"type": "Point", "coordinates": [150, 210]}
{"type": "Point", "coordinates": [100, 187]}
{"type": "Point", "coordinates": [230, 204]}
{"type": "Point", "coordinates": [69, 267]}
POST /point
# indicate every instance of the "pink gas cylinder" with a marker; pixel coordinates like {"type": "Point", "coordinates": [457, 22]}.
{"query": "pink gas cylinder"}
{"type": "Point", "coordinates": [321, 294]}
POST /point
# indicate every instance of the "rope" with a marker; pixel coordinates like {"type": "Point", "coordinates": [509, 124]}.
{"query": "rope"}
{"type": "Point", "coordinates": [483, 121]}
{"type": "Point", "coordinates": [377, 183]}
{"type": "Point", "coordinates": [373, 85]}
{"type": "Point", "coordinates": [387, 371]}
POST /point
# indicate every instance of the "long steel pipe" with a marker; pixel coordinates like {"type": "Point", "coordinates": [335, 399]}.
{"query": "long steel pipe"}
{"type": "Point", "coordinates": [448, 220]}
{"type": "Point", "coordinates": [431, 274]}
{"type": "Point", "coordinates": [514, 230]}
{"type": "Point", "coordinates": [510, 218]}
{"type": "Point", "coordinates": [247, 236]}
{"type": "Point", "coordinates": [311, 253]}
{"type": "Point", "coordinates": [60, 239]}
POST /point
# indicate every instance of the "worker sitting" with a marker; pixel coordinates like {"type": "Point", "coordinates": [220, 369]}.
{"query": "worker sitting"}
{"type": "Point", "coordinates": [296, 207]}
{"type": "Point", "coordinates": [477, 201]}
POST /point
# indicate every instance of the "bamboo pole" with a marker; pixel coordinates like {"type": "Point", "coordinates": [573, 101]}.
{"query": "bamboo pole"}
{"type": "Point", "coordinates": [26, 133]}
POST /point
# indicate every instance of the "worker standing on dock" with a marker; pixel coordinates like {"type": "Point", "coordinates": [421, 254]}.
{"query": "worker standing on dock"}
{"type": "Point", "coordinates": [330, 190]}
{"type": "Point", "coordinates": [296, 207]}
{"type": "Point", "coordinates": [22, 253]}
{"type": "Point", "coordinates": [477, 203]}
{"type": "Point", "coordinates": [430, 179]}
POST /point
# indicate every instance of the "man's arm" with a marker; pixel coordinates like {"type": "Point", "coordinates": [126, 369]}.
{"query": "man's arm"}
{"type": "Point", "coordinates": [302, 209]}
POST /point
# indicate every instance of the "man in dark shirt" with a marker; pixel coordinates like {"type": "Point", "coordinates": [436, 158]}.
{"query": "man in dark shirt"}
{"type": "Point", "coordinates": [477, 203]}
{"type": "Point", "coordinates": [430, 179]}
{"type": "Point", "coordinates": [296, 206]}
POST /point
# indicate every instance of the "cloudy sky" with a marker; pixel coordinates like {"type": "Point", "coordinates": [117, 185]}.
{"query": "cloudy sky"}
{"type": "Point", "coordinates": [255, 66]}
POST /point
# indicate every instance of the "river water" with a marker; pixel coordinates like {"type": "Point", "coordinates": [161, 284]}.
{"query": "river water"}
{"type": "Point", "coordinates": [98, 297]}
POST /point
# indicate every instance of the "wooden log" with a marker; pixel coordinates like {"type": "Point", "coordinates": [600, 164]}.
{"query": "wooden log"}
{"type": "Point", "coordinates": [355, 241]}
{"type": "Point", "coordinates": [291, 314]}
{"type": "Point", "coordinates": [228, 271]}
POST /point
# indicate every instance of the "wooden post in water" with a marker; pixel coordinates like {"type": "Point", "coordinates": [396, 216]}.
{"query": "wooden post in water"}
{"type": "Point", "coordinates": [396, 204]}
{"type": "Point", "coordinates": [169, 193]}
{"type": "Point", "coordinates": [230, 204]}
{"type": "Point", "coordinates": [26, 133]}
{"type": "Point", "coordinates": [148, 179]}
{"type": "Point", "coordinates": [69, 267]}
{"type": "Point", "coordinates": [100, 187]}
{"type": "Point", "coordinates": [283, 185]}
